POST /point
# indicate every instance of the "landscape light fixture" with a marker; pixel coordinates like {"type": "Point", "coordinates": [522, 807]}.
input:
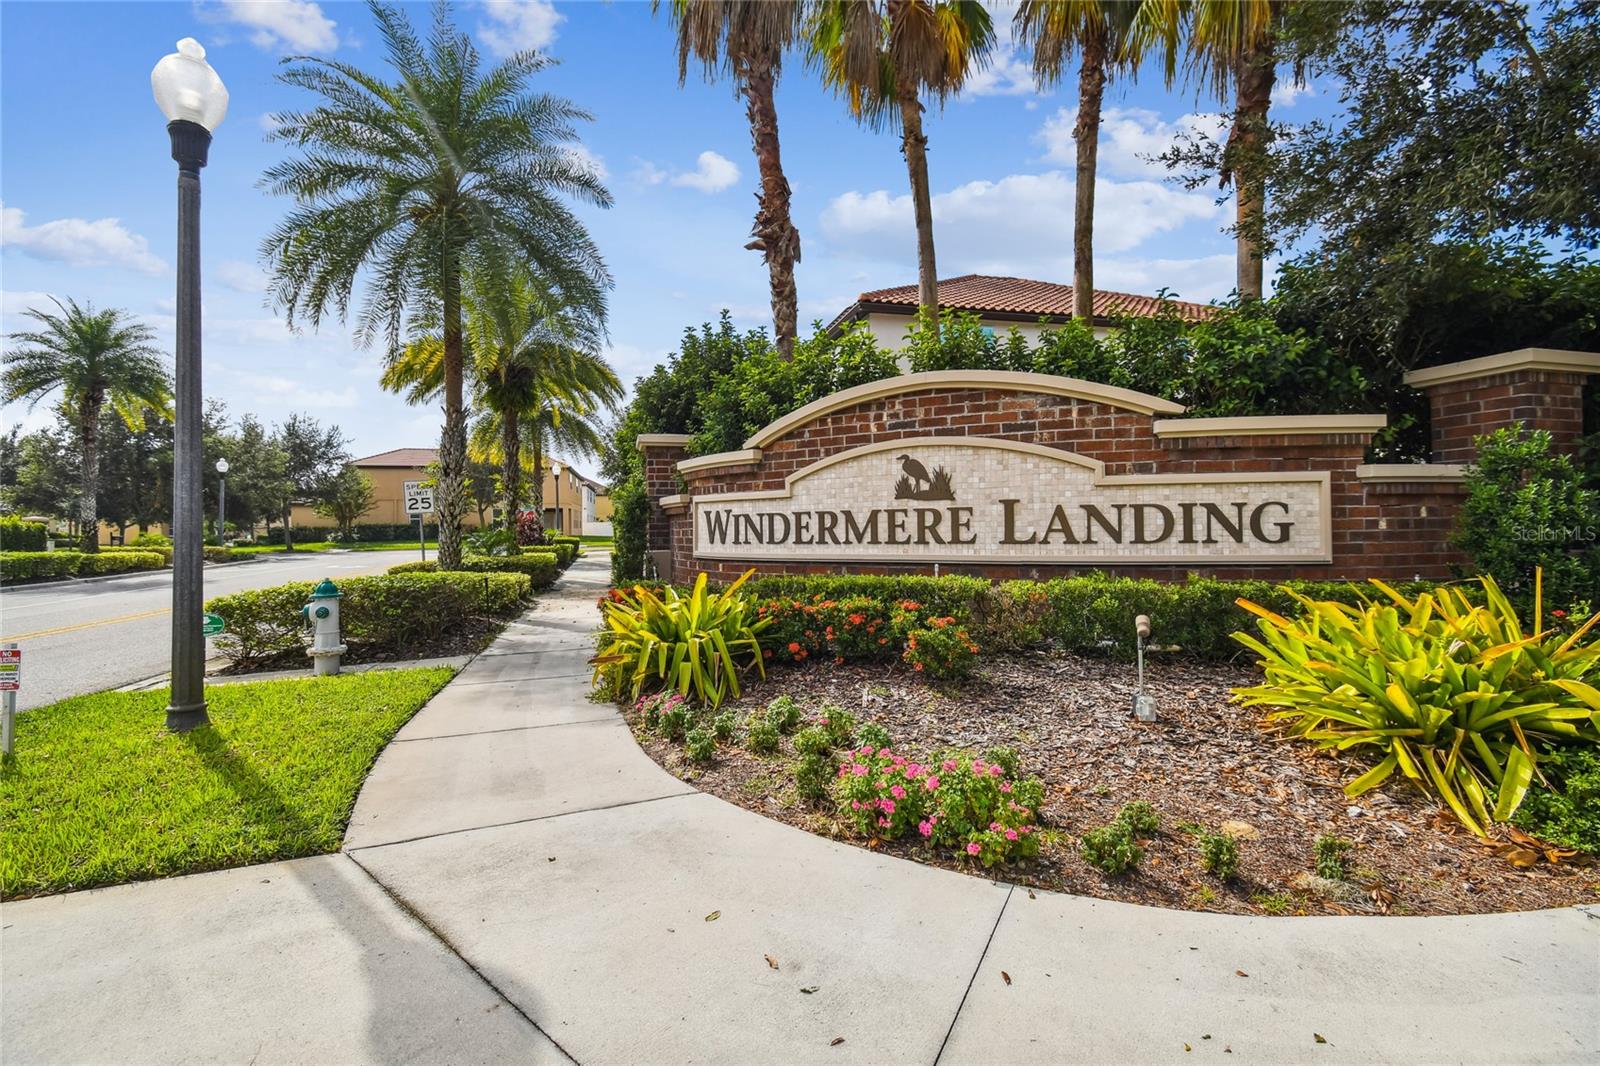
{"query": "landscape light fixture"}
{"type": "Point", "coordinates": [194, 101]}
{"type": "Point", "coordinates": [1144, 705]}
{"type": "Point", "coordinates": [555, 472]}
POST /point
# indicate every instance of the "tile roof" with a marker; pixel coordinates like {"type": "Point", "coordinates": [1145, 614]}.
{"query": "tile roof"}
{"type": "Point", "coordinates": [409, 457]}
{"type": "Point", "coordinates": [1017, 296]}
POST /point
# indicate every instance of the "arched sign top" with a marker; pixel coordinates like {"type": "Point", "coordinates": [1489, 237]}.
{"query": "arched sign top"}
{"type": "Point", "coordinates": [1008, 380]}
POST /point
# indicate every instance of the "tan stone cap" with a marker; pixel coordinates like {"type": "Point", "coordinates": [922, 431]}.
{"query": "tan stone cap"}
{"type": "Point", "coordinates": [1411, 472]}
{"type": "Point", "coordinates": [1269, 425]}
{"type": "Point", "coordinates": [660, 440]}
{"type": "Point", "coordinates": [1557, 359]}
{"type": "Point", "coordinates": [744, 457]}
{"type": "Point", "coordinates": [678, 502]}
{"type": "Point", "coordinates": [1009, 380]}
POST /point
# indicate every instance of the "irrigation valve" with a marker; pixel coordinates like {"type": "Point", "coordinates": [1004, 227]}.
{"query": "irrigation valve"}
{"type": "Point", "coordinates": [322, 615]}
{"type": "Point", "coordinates": [1144, 705]}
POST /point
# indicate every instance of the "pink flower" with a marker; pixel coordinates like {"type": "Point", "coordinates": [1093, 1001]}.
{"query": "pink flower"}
{"type": "Point", "coordinates": [914, 769]}
{"type": "Point", "coordinates": [994, 827]}
{"type": "Point", "coordinates": [978, 766]}
{"type": "Point", "coordinates": [974, 848]}
{"type": "Point", "coordinates": [932, 782]}
{"type": "Point", "coordinates": [1011, 834]}
{"type": "Point", "coordinates": [994, 771]}
{"type": "Point", "coordinates": [859, 770]}
{"type": "Point", "coordinates": [925, 828]}
{"type": "Point", "coordinates": [866, 751]}
{"type": "Point", "coordinates": [898, 791]}
{"type": "Point", "coordinates": [887, 805]}
{"type": "Point", "coordinates": [1026, 830]}
{"type": "Point", "coordinates": [949, 766]}
{"type": "Point", "coordinates": [1005, 786]}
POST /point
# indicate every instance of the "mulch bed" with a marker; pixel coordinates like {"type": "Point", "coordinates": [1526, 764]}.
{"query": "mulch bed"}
{"type": "Point", "coordinates": [471, 636]}
{"type": "Point", "coordinates": [1206, 761]}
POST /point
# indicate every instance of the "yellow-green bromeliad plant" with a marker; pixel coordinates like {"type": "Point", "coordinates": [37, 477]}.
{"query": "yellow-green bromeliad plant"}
{"type": "Point", "coordinates": [693, 644]}
{"type": "Point", "coordinates": [1454, 695]}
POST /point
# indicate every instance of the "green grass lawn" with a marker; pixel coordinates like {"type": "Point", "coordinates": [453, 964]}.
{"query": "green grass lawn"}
{"type": "Point", "coordinates": [602, 542]}
{"type": "Point", "coordinates": [98, 792]}
{"type": "Point", "coordinates": [387, 545]}
{"type": "Point", "coordinates": [263, 549]}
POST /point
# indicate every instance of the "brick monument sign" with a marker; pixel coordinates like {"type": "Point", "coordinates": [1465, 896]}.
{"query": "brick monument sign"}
{"type": "Point", "coordinates": [1002, 474]}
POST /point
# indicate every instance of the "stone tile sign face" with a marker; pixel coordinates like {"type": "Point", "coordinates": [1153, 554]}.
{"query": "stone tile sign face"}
{"type": "Point", "coordinates": [943, 499]}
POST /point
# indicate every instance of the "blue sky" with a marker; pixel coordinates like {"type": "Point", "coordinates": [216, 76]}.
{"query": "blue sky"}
{"type": "Point", "coordinates": [89, 190]}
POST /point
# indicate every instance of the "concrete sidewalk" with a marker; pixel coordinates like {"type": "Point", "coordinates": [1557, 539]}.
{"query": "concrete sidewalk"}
{"type": "Point", "coordinates": [520, 882]}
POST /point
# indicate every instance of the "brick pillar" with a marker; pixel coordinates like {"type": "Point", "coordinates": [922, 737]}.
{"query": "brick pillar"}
{"type": "Point", "coordinates": [1540, 387]}
{"type": "Point", "coordinates": [662, 452]}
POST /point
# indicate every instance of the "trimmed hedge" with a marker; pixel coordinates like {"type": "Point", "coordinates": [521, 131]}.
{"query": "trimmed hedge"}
{"type": "Point", "coordinates": [1089, 614]}
{"type": "Point", "coordinates": [34, 566]}
{"type": "Point", "coordinates": [165, 551]}
{"type": "Point", "coordinates": [539, 566]}
{"type": "Point", "coordinates": [19, 536]}
{"type": "Point", "coordinates": [389, 612]}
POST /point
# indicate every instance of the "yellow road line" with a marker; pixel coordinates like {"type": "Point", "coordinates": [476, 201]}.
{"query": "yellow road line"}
{"type": "Point", "coordinates": [88, 625]}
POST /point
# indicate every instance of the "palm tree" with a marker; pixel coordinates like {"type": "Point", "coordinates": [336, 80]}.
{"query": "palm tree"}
{"type": "Point", "coordinates": [1105, 33]}
{"type": "Point", "coordinates": [1232, 46]}
{"type": "Point", "coordinates": [92, 357]}
{"type": "Point", "coordinates": [569, 423]}
{"type": "Point", "coordinates": [522, 355]}
{"type": "Point", "coordinates": [449, 168]}
{"type": "Point", "coordinates": [747, 39]}
{"type": "Point", "coordinates": [881, 55]}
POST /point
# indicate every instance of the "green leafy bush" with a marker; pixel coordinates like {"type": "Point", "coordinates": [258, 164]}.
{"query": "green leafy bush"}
{"type": "Point", "coordinates": [391, 612]}
{"type": "Point", "coordinates": [151, 540]}
{"type": "Point", "coordinates": [724, 725]}
{"type": "Point", "coordinates": [673, 721]}
{"type": "Point", "coordinates": [838, 723]}
{"type": "Point", "coordinates": [1111, 848]}
{"type": "Point", "coordinates": [872, 735]}
{"type": "Point", "coordinates": [19, 536]}
{"type": "Point", "coordinates": [1328, 854]}
{"type": "Point", "coordinates": [784, 714]}
{"type": "Point", "coordinates": [950, 595]}
{"type": "Point", "coordinates": [1528, 511]}
{"type": "Point", "coordinates": [944, 650]}
{"type": "Point", "coordinates": [696, 644]}
{"type": "Point", "coordinates": [1139, 817]}
{"type": "Point", "coordinates": [1568, 811]}
{"type": "Point", "coordinates": [1219, 854]}
{"type": "Point", "coordinates": [119, 562]}
{"type": "Point", "coordinates": [34, 566]}
{"type": "Point", "coordinates": [817, 764]}
{"type": "Point", "coordinates": [760, 735]}
{"type": "Point", "coordinates": [700, 745]}
{"type": "Point", "coordinates": [540, 567]}
{"type": "Point", "coordinates": [1456, 697]}
{"type": "Point", "coordinates": [163, 550]}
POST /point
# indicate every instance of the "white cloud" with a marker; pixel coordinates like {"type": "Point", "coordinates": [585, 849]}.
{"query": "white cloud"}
{"type": "Point", "coordinates": [1286, 92]}
{"type": "Point", "coordinates": [1130, 138]}
{"type": "Point", "coordinates": [648, 173]}
{"type": "Point", "coordinates": [298, 25]}
{"type": "Point", "coordinates": [588, 160]}
{"type": "Point", "coordinates": [298, 392]}
{"type": "Point", "coordinates": [712, 173]}
{"type": "Point", "coordinates": [1021, 224]}
{"type": "Point", "coordinates": [268, 122]}
{"type": "Point", "coordinates": [79, 242]}
{"type": "Point", "coordinates": [241, 276]}
{"type": "Point", "coordinates": [514, 26]}
{"type": "Point", "coordinates": [1006, 75]}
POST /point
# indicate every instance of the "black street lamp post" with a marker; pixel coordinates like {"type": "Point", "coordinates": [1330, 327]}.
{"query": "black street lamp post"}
{"type": "Point", "coordinates": [194, 101]}
{"type": "Point", "coordinates": [222, 501]}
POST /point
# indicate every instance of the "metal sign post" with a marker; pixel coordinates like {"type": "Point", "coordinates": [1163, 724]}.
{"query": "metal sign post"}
{"type": "Point", "coordinates": [10, 682]}
{"type": "Point", "coordinates": [419, 502]}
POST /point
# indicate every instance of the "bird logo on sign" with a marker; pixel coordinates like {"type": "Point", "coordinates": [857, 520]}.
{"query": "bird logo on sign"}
{"type": "Point", "coordinates": [916, 483]}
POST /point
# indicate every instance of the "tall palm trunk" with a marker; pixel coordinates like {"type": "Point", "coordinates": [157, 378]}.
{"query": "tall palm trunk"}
{"type": "Point", "coordinates": [914, 146]}
{"type": "Point", "coordinates": [89, 443]}
{"type": "Point", "coordinates": [1091, 90]}
{"type": "Point", "coordinates": [1254, 76]}
{"type": "Point", "coordinates": [511, 465]}
{"type": "Point", "coordinates": [453, 438]}
{"type": "Point", "coordinates": [776, 237]}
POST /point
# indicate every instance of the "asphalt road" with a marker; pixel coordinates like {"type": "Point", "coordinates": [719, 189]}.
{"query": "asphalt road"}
{"type": "Point", "coordinates": [93, 635]}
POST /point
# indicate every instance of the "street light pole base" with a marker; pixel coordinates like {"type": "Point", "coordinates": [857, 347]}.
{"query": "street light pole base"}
{"type": "Point", "coordinates": [183, 719]}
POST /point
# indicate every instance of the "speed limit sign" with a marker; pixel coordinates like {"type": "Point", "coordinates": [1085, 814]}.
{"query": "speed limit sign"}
{"type": "Point", "coordinates": [419, 498]}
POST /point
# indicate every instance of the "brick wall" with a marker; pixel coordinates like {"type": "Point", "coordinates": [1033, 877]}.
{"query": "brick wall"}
{"type": "Point", "coordinates": [1540, 399]}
